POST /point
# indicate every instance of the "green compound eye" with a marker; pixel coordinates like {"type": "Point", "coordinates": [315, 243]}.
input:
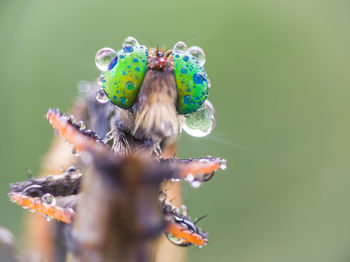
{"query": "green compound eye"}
{"type": "Point", "coordinates": [124, 74]}
{"type": "Point", "coordinates": [191, 79]}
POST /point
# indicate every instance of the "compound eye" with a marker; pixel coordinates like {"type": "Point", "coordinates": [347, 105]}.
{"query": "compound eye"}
{"type": "Point", "coordinates": [191, 79]}
{"type": "Point", "coordinates": [124, 74]}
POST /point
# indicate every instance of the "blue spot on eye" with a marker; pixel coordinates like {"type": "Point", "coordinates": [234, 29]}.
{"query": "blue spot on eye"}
{"type": "Point", "coordinates": [114, 97]}
{"type": "Point", "coordinates": [121, 56]}
{"type": "Point", "coordinates": [113, 63]}
{"type": "Point", "coordinates": [188, 89]}
{"type": "Point", "coordinates": [177, 56]}
{"type": "Point", "coordinates": [198, 78]}
{"type": "Point", "coordinates": [143, 60]}
{"type": "Point", "coordinates": [122, 100]}
{"type": "Point", "coordinates": [187, 99]}
{"type": "Point", "coordinates": [115, 83]}
{"type": "Point", "coordinates": [184, 70]}
{"type": "Point", "coordinates": [129, 85]}
{"type": "Point", "coordinates": [186, 58]}
{"type": "Point", "coordinates": [137, 69]}
{"type": "Point", "coordinates": [141, 47]}
{"type": "Point", "coordinates": [135, 60]}
{"type": "Point", "coordinates": [124, 73]}
{"type": "Point", "coordinates": [137, 77]}
{"type": "Point", "coordinates": [117, 91]}
{"type": "Point", "coordinates": [128, 49]}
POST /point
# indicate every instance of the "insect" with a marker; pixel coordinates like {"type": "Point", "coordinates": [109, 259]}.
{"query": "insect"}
{"type": "Point", "coordinates": [147, 96]}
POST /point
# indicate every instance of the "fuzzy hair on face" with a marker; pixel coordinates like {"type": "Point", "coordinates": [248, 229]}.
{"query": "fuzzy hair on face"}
{"type": "Point", "coordinates": [156, 114]}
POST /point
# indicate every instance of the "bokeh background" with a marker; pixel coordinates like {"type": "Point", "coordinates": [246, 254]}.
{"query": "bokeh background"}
{"type": "Point", "coordinates": [280, 84]}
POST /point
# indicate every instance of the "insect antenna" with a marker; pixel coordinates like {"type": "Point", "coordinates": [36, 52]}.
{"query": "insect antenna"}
{"type": "Point", "coordinates": [199, 219]}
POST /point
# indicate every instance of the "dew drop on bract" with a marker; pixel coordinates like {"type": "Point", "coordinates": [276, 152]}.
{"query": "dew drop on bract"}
{"type": "Point", "coordinates": [75, 152]}
{"type": "Point", "coordinates": [196, 183]}
{"type": "Point", "coordinates": [104, 57]}
{"type": "Point", "coordinates": [176, 241]}
{"type": "Point", "coordinates": [81, 125]}
{"type": "Point", "coordinates": [101, 96]}
{"type": "Point", "coordinates": [180, 46]}
{"type": "Point", "coordinates": [48, 199]}
{"type": "Point", "coordinates": [201, 122]}
{"type": "Point", "coordinates": [130, 41]}
{"type": "Point", "coordinates": [198, 53]}
{"type": "Point", "coordinates": [223, 165]}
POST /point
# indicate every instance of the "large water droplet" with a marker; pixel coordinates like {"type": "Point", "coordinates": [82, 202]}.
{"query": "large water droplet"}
{"type": "Point", "coordinates": [48, 199]}
{"type": "Point", "coordinates": [180, 46]}
{"type": "Point", "coordinates": [177, 241]}
{"type": "Point", "coordinates": [198, 53]}
{"type": "Point", "coordinates": [201, 122]}
{"type": "Point", "coordinates": [101, 96]}
{"type": "Point", "coordinates": [104, 57]}
{"type": "Point", "coordinates": [130, 41]}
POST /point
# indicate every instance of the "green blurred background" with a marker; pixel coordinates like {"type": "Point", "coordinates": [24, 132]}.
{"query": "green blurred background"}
{"type": "Point", "coordinates": [280, 83]}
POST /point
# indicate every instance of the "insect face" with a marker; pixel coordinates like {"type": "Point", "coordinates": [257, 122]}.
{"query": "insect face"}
{"type": "Point", "coordinates": [156, 85]}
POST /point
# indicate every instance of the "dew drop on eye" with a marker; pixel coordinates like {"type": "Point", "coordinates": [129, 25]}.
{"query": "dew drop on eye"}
{"type": "Point", "coordinates": [101, 96]}
{"type": "Point", "coordinates": [104, 57]}
{"type": "Point", "coordinates": [201, 122]}
{"type": "Point", "coordinates": [180, 46]}
{"type": "Point", "coordinates": [198, 53]}
{"type": "Point", "coordinates": [130, 41]}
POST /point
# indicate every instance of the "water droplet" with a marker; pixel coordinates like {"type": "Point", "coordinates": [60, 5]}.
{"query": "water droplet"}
{"type": "Point", "coordinates": [81, 125]}
{"type": "Point", "coordinates": [104, 57]}
{"type": "Point", "coordinates": [201, 122]}
{"type": "Point", "coordinates": [196, 183]}
{"type": "Point", "coordinates": [47, 218]}
{"type": "Point", "coordinates": [198, 53]}
{"type": "Point", "coordinates": [189, 178]}
{"type": "Point", "coordinates": [209, 83]}
{"type": "Point", "coordinates": [100, 80]}
{"type": "Point", "coordinates": [72, 119]}
{"type": "Point", "coordinates": [223, 165]}
{"type": "Point", "coordinates": [101, 96]}
{"type": "Point", "coordinates": [31, 210]}
{"type": "Point", "coordinates": [183, 210]}
{"type": "Point", "coordinates": [180, 46]}
{"type": "Point", "coordinates": [48, 199]}
{"type": "Point", "coordinates": [75, 152]}
{"type": "Point", "coordinates": [130, 41]}
{"type": "Point", "coordinates": [177, 241]}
